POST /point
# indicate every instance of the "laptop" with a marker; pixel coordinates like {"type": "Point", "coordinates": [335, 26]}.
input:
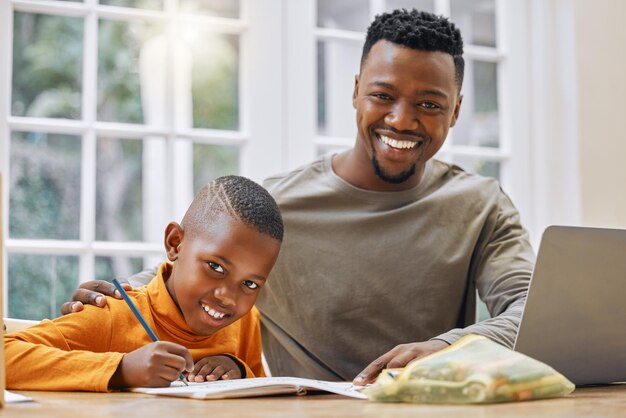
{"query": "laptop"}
{"type": "Point", "coordinates": [575, 315]}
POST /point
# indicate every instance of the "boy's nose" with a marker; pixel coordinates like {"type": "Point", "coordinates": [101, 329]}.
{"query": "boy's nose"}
{"type": "Point", "coordinates": [225, 295]}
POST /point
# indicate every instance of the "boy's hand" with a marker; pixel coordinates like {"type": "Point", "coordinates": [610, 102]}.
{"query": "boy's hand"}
{"type": "Point", "coordinates": [92, 293]}
{"type": "Point", "coordinates": [153, 365]}
{"type": "Point", "coordinates": [214, 368]}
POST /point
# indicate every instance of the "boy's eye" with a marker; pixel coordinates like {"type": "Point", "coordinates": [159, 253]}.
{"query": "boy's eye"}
{"type": "Point", "coordinates": [216, 267]}
{"type": "Point", "coordinates": [250, 284]}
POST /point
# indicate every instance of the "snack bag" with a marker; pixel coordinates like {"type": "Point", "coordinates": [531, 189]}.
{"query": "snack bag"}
{"type": "Point", "coordinates": [472, 370]}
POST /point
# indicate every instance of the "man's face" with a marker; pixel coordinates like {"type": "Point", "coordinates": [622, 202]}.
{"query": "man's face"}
{"type": "Point", "coordinates": [217, 275]}
{"type": "Point", "coordinates": [405, 100]}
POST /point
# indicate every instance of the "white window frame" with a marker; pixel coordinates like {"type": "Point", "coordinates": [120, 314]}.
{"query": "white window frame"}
{"type": "Point", "coordinates": [259, 25]}
{"type": "Point", "coordinates": [301, 101]}
{"type": "Point", "coordinates": [517, 147]}
{"type": "Point", "coordinates": [278, 115]}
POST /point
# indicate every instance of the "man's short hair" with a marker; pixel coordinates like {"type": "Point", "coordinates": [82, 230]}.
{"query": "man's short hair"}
{"type": "Point", "coordinates": [238, 197]}
{"type": "Point", "coordinates": [418, 30]}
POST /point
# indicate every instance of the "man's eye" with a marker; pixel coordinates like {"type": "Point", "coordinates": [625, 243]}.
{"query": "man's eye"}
{"type": "Point", "coordinates": [216, 267]}
{"type": "Point", "coordinates": [250, 284]}
{"type": "Point", "coordinates": [382, 96]}
{"type": "Point", "coordinates": [429, 105]}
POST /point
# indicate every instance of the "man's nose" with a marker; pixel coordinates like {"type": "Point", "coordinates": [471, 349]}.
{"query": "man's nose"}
{"type": "Point", "coordinates": [403, 117]}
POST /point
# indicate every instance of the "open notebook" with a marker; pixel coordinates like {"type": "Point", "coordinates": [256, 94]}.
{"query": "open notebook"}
{"type": "Point", "coordinates": [258, 386]}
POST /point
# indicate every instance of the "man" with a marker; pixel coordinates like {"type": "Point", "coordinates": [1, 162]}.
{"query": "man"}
{"type": "Point", "coordinates": [384, 246]}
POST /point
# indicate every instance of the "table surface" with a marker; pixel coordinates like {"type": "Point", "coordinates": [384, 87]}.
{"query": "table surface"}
{"type": "Point", "coordinates": [602, 401]}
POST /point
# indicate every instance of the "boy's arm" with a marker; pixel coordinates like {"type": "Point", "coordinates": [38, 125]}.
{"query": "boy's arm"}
{"type": "Point", "coordinates": [39, 358]}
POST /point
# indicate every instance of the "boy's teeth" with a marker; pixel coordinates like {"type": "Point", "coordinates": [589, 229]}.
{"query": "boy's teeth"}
{"type": "Point", "coordinates": [394, 143]}
{"type": "Point", "coordinates": [213, 312]}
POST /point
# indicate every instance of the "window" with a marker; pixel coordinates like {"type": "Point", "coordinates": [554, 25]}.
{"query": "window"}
{"type": "Point", "coordinates": [118, 111]}
{"type": "Point", "coordinates": [115, 112]}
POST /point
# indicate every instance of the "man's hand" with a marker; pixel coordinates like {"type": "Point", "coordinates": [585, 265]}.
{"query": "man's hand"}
{"type": "Point", "coordinates": [213, 368]}
{"type": "Point", "coordinates": [92, 293]}
{"type": "Point", "coordinates": [154, 365]}
{"type": "Point", "coordinates": [399, 356]}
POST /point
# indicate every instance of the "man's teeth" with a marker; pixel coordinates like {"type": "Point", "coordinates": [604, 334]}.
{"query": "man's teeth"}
{"type": "Point", "coordinates": [213, 312]}
{"type": "Point", "coordinates": [394, 143]}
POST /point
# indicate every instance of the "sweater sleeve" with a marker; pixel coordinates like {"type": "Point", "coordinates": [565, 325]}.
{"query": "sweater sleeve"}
{"type": "Point", "coordinates": [66, 354]}
{"type": "Point", "coordinates": [503, 265]}
{"type": "Point", "coordinates": [250, 345]}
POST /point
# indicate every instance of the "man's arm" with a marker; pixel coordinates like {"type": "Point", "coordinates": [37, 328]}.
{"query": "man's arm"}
{"type": "Point", "coordinates": [93, 292]}
{"type": "Point", "coordinates": [500, 272]}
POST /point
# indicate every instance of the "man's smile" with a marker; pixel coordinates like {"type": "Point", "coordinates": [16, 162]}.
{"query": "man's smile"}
{"type": "Point", "coordinates": [399, 143]}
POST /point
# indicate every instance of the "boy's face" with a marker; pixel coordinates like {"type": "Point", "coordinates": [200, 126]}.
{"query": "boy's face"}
{"type": "Point", "coordinates": [217, 274]}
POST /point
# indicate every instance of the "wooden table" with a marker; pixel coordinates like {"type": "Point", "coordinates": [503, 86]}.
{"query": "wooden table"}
{"type": "Point", "coordinates": [606, 401]}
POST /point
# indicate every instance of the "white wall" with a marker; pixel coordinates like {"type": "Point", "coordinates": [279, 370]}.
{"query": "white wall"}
{"type": "Point", "coordinates": [601, 65]}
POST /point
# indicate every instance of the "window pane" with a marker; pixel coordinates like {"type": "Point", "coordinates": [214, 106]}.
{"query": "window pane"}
{"type": "Point", "coordinates": [212, 161]}
{"type": "Point", "coordinates": [345, 14]}
{"type": "Point", "coordinates": [478, 123]}
{"type": "Point", "coordinates": [221, 8]}
{"type": "Point", "coordinates": [109, 268]}
{"type": "Point", "coordinates": [120, 81]}
{"type": "Point", "coordinates": [119, 190]}
{"type": "Point", "coordinates": [47, 66]}
{"type": "Point", "coordinates": [44, 186]}
{"type": "Point", "coordinates": [479, 166]}
{"type": "Point", "coordinates": [422, 5]}
{"type": "Point", "coordinates": [40, 284]}
{"type": "Point", "coordinates": [337, 65]}
{"type": "Point", "coordinates": [214, 79]}
{"type": "Point", "coordinates": [476, 19]}
{"type": "Point", "coordinates": [143, 4]}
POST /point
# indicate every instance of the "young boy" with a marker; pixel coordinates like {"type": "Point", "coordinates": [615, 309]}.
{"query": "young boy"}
{"type": "Point", "coordinates": [201, 306]}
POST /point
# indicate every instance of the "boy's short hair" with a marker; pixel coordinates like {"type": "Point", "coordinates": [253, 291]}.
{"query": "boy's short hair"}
{"type": "Point", "coordinates": [238, 197]}
{"type": "Point", "coordinates": [418, 30]}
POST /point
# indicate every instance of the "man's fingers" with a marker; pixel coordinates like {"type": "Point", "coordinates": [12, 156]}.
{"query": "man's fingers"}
{"type": "Point", "coordinates": [371, 372]}
{"type": "Point", "coordinates": [103, 287]}
{"type": "Point", "coordinates": [69, 307]}
{"type": "Point", "coordinates": [403, 359]}
{"type": "Point", "coordinates": [88, 297]}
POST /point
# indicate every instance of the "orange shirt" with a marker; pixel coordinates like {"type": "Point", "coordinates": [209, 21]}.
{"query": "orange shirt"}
{"type": "Point", "coordinates": [82, 350]}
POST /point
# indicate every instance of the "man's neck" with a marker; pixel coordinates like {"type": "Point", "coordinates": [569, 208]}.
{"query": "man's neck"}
{"type": "Point", "coordinates": [359, 172]}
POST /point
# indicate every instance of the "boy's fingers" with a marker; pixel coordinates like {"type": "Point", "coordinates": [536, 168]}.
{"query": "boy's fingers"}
{"type": "Point", "coordinates": [180, 351]}
{"type": "Point", "coordinates": [216, 373]}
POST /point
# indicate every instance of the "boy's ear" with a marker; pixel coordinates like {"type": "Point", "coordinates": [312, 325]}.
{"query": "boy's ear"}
{"type": "Point", "coordinates": [173, 238]}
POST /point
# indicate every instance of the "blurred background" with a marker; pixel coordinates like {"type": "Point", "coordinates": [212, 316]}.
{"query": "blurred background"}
{"type": "Point", "coordinates": [113, 113]}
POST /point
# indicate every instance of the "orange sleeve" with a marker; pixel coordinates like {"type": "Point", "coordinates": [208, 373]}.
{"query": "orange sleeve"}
{"type": "Point", "coordinates": [52, 355]}
{"type": "Point", "coordinates": [250, 344]}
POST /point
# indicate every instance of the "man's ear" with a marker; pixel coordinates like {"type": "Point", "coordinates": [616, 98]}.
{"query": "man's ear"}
{"type": "Point", "coordinates": [457, 109]}
{"type": "Point", "coordinates": [355, 93]}
{"type": "Point", "coordinates": [173, 239]}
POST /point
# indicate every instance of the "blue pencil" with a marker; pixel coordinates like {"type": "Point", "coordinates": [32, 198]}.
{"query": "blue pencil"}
{"type": "Point", "coordinates": [142, 321]}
